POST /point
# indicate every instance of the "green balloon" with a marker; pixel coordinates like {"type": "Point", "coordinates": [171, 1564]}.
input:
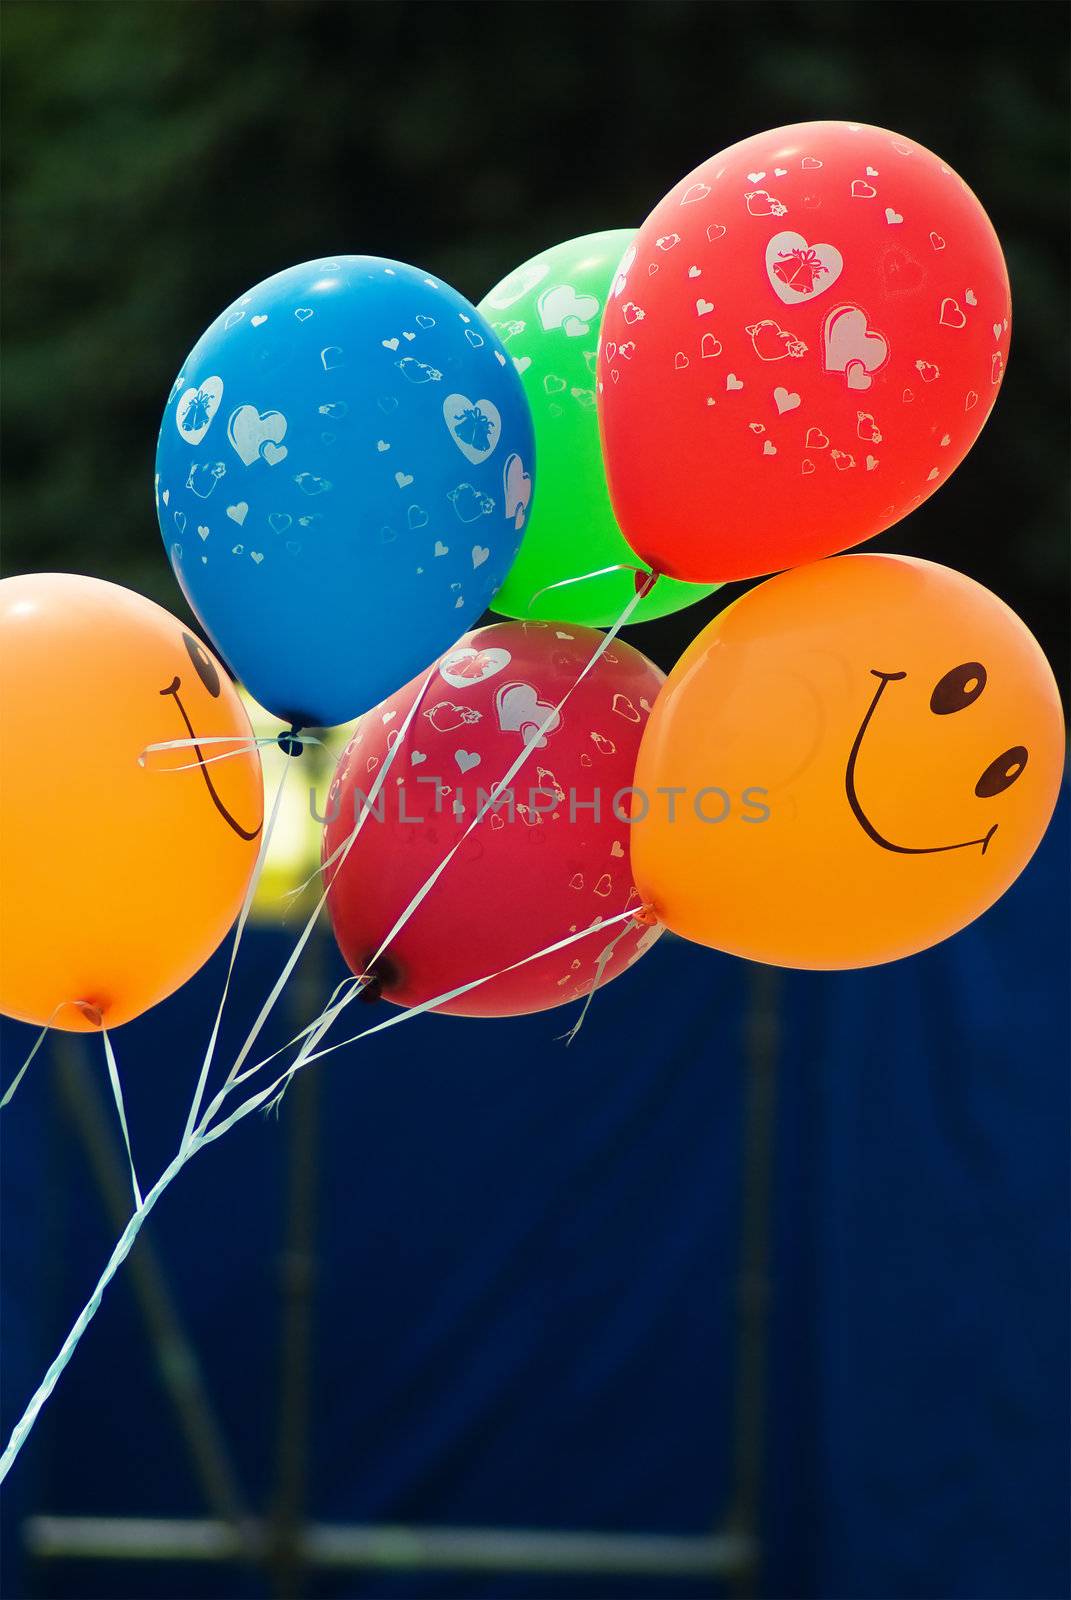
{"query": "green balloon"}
{"type": "Point", "coordinates": [547, 314]}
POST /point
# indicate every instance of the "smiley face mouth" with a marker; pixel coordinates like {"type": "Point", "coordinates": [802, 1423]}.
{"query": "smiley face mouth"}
{"type": "Point", "coordinates": [885, 678]}
{"type": "Point", "coordinates": [243, 833]}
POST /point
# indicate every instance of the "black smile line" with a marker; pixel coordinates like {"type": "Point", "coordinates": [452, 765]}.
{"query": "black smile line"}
{"type": "Point", "coordinates": [243, 833]}
{"type": "Point", "coordinates": [853, 798]}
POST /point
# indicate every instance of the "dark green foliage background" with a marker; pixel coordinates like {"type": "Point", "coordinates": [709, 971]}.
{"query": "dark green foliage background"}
{"type": "Point", "coordinates": [161, 156]}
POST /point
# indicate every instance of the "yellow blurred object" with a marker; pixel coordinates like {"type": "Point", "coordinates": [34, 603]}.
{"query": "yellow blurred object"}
{"type": "Point", "coordinates": [293, 857]}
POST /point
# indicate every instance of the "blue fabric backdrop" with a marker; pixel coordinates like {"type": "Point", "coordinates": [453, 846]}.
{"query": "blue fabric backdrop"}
{"type": "Point", "coordinates": [524, 1292]}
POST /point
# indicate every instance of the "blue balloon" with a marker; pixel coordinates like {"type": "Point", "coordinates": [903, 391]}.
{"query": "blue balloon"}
{"type": "Point", "coordinates": [344, 470]}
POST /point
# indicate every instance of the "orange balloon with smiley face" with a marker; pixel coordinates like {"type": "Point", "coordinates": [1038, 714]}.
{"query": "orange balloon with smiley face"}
{"type": "Point", "coordinates": [849, 764]}
{"type": "Point", "coordinates": [119, 877]}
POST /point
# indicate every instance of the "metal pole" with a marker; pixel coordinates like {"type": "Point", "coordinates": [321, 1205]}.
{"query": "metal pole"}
{"type": "Point", "coordinates": [353, 1547]}
{"type": "Point", "coordinates": [297, 1269]}
{"type": "Point", "coordinates": [761, 1043]}
{"type": "Point", "coordinates": [176, 1358]}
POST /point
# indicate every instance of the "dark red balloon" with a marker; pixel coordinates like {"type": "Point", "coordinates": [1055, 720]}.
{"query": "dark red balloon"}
{"type": "Point", "coordinates": [530, 873]}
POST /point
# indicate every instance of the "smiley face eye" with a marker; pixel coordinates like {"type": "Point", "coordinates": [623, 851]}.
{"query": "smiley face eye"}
{"type": "Point", "coordinates": [1001, 773]}
{"type": "Point", "coordinates": [958, 688]}
{"type": "Point", "coordinates": [201, 659]}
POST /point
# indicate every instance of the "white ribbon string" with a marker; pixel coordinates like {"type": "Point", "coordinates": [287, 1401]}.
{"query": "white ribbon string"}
{"type": "Point", "coordinates": [303, 938]}
{"type": "Point", "coordinates": [208, 1134]}
{"type": "Point", "coordinates": [17, 1079]}
{"type": "Point", "coordinates": [21, 1430]}
{"type": "Point", "coordinates": [600, 967]}
{"type": "Point", "coordinates": [205, 1136]}
{"type": "Point", "coordinates": [243, 918]}
{"type": "Point", "coordinates": [331, 1009]}
{"type": "Point", "coordinates": [314, 1033]}
{"type": "Point", "coordinates": [239, 747]}
{"type": "Point", "coordinates": [39, 1041]}
{"type": "Point", "coordinates": [600, 572]}
{"type": "Point", "coordinates": [113, 1074]}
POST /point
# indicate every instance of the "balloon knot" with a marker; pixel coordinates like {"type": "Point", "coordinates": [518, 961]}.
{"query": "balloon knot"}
{"type": "Point", "coordinates": [371, 989]}
{"type": "Point", "coordinates": [646, 916]}
{"type": "Point", "coordinates": [289, 743]}
{"type": "Point", "coordinates": [644, 582]}
{"type": "Point", "coordinates": [92, 1013]}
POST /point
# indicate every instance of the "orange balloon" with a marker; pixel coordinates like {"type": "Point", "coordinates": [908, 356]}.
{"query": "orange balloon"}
{"type": "Point", "coordinates": [119, 878]}
{"type": "Point", "coordinates": [866, 752]}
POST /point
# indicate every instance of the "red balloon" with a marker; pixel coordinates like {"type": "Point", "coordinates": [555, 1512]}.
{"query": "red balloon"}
{"type": "Point", "coordinates": [801, 346]}
{"type": "Point", "coordinates": [527, 875]}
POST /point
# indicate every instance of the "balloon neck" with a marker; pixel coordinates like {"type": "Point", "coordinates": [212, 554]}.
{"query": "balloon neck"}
{"type": "Point", "coordinates": [92, 1014]}
{"type": "Point", "coordinates": [646, 916]}
{"type": "Point", "coordinates": [383, 973]}
{"type": "Point", "coordinates": [289, 743]}
{"type": "Point", "coordinates": [644, 582]}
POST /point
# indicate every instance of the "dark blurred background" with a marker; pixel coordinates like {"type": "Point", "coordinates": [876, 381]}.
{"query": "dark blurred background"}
{"type": "Point", "coordinates": [161, 158]}
{"type": "Point", "coordinates": [773, 1259]}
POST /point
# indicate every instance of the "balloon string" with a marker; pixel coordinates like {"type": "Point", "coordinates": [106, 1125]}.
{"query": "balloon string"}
{"type": "Point", "coordinates": [22, 1428]}
{"type": "Point", "coordinates": [318, 1026]}
{"type": "Point", "coordinates": [340, 855]}
{"type": "Point", "coordinates": [207, 1134]}
{"type": "Point", "coordinates": [240, 746]}
{"type": "Point", "coordinates": [600, 572]}
{"type": "Point", "coordinates": [243, 918]}
{"type": "Point", "coordinates": [331, 1009]}
{"type": "Point", "coordinates": [113, 1074]}
{"type": "Point", "coordinates": [600, 968]}
{"type": "Point", "coordinates": [204, 1135]}
{"type": "Point", "coordinates": [86, 1009]}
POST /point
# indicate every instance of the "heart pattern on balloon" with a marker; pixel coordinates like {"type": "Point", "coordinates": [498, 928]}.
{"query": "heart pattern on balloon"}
{"type": "Point", "coordinates": [196, 408]}
{"type": "Point", "coordinates": [799, 271]}
{"type": "Point", "coordinates": [257, 435]}
{"type": "Point", "coordinates": [561, 307]}
{"type": "Point", "coordinates": [520, 710]}
{"type": "Point", "coordinates": [852, 346]}
{"type": "Point", "coordinates": [475, 425]}
{"type": "Point", "coordinates": [466, 666]}
{"type": "Point", "coordinates": [517, 485]}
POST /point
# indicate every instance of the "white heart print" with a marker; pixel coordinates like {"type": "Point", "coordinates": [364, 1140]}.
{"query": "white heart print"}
{"type": "Point", "coordinates": [520, 710]}
{"type": "Point", "coordinates": [257, 435]}
{"type": "Point", "coordinates": [474, 425]}
{"type": "Point", "coordinates": [517, 486]}
{"type": "Point", "coordinates": [852, 347]}
{"type": "Point", "coordinates": [621, 277]}
{"type": "Point", "coordinates": [196, 408]}
{"type": "Point", "coordinates": [562, 307]}
{"type": "Point", "coordinates": [466, 666]}
{"type": "Point", "coordinates": [801, 271]}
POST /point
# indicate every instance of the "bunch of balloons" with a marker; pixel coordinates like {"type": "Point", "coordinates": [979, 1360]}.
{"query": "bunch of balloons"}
{"type": "Point", "coordinates": [798, 346]}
